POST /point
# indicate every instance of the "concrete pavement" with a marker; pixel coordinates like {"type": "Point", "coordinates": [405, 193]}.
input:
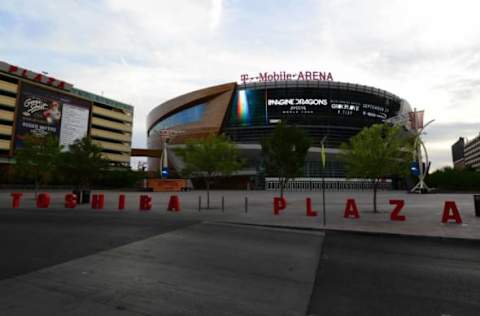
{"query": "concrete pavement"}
{"type": "Point", "coordinates": [203, 269]}
{"type": "Point", "coordinates": [363, 275]}
{"type": "Point", "coordinates": [220, 268]}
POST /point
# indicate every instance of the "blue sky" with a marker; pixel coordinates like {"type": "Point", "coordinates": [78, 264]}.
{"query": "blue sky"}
{"type": "Point", "coordinates": [145, 52]}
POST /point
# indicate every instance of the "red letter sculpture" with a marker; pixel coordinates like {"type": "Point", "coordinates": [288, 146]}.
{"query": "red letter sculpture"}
{"type": "Point", "coordinates": [145, 203]}
{"type": "Point", "coordinates": [310, 212]}
{"type": "Point", "coordinates": [43, 200]}
{"type": "Point", "coordinates": [174, 203]}
{"type": "Point", "coordinates": [121, 201]}
{"type": "Point", "coordinates": [70, 200]}
{"type": "Point", "coordinates": [351, 209]}
{"type": "Point", "coordinates": [278, 205]}
{"type": "Point", "coordinates": [455, 215]}
{"type": "Point", "coordinates": [395, 215]}
{"type": "Point", "coordinates": [98, 201]}
{"type": "Point", "coordinates": [16, 199]}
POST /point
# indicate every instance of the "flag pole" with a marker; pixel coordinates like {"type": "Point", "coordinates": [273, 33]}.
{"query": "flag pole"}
{"type": "Point", "coordinates": [323, 157]}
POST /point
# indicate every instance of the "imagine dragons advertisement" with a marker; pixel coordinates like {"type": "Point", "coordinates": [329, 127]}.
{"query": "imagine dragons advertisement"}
{"type": "Point", "coordinates": [308, 106]}
{"type": "Point", "coordinates": [41, 112]}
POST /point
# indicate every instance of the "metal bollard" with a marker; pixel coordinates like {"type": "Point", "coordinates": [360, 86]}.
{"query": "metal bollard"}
{"type": "Point", "coordinates": [223, 204]}
{"type": "Point", "coordinates": [199, 203]}
{"type": "Point", "coordinates": [246, 204]}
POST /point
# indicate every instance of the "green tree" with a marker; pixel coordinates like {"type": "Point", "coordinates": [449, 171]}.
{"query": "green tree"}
{"type": "Point", "coordinates": [284, 153]}
{"type": "Point", "coordinates": [38, 159]}
{"type": "Point", "coordinates": [448, 178]}
{"type": "Point", "coordinates": [377, 152]}
{"type": "Point", "coordinates": [209, 157]}
{"type": "Point", "coordinates": [83, 163]}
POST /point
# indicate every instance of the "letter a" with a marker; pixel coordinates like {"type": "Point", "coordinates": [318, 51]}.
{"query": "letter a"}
{"type": "Point", "coordinates": [174, 203]}
{"type": "Point", "coordinates": [351, 209]}
{"type": "Point", "coordinates": [455, 215]}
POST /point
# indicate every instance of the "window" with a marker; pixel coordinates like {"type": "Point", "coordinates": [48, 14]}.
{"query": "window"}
{"type": "Point", "coordinates": [190, 115]}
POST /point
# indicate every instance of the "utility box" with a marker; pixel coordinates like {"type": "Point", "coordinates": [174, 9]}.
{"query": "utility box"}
{"type": "Point", "coordinates": [476, 202]}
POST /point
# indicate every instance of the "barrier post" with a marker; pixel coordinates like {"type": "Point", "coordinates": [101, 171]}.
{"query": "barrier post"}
{"type": "Point", "coordinates": [246, 204]}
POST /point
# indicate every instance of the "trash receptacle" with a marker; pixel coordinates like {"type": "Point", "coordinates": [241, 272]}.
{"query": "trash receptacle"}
{"type": "Point", "coordinates": [86, 196]}
{"type": "Point", "coordinates": [476, 202]}
{"type": "Point", "coordinates": [78, 194]}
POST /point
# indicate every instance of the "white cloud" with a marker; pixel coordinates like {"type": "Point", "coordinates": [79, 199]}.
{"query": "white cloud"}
{"type": "Point", "coordinates": [215, 13]}
{"type": "Point", "coordinates": [145, 52]}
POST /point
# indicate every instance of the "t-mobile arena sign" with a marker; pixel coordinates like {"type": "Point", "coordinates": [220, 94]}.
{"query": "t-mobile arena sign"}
{"type": "Point", "coordinates": [283, 75]}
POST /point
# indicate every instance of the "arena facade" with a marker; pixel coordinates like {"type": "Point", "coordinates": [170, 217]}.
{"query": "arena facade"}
{"type": "Point", "coordinates": [248, 112]}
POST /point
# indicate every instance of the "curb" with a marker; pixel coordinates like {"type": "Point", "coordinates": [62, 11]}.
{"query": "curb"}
{"type": "Point", "coordinates": [357, 232]}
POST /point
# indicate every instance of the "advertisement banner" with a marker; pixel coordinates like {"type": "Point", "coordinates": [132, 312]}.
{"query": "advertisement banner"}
{"type": "Point", "coordinates": [74, 124]}
{"type": "Point", "coordinates": [41, 112]}
{"type": "Point", "coordinates": [304, 105]}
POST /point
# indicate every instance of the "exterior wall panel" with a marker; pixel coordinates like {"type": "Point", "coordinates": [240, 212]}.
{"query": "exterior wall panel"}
{"type": "Point", "coordinates": [113, 146]}
{"type": "Point", "coordinates": [111, 124]}
{"type": "Point", "coordinates": [5, 130]}
{"type": "Point", "coordinates": [6, 115]}
{"type": "Point", "coordinates": [7, 101]}
{"type": "Point", "coordinates": [4, 144]}
{"type": "Point", "coordinates": [109, 135]}
{"type": "Point", "coordinates": [116, 157]}
{"type": "Point", "coordinates": [112, 114]}
{"type": "Point", "coordinates": [8, 86]}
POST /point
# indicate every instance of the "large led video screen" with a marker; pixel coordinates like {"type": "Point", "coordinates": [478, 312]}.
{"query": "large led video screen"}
{"type": "Point", "coordinates": [308, 106]}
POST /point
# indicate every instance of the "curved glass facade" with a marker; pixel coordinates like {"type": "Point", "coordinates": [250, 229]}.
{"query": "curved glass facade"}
{"type": "Point", "coordinates": [190, 115]}
{"type": "Point", "coordinates": [337, 113]}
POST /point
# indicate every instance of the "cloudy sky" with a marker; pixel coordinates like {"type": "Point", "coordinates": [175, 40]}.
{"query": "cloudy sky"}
{"type": "Point", "coordinates": [144, 52]}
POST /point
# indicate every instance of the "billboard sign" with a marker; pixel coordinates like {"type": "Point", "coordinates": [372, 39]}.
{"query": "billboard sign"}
{"type": "Point", "coordinates": [307, 104]}
{"type": "Point", "coordinates": [41, 112]}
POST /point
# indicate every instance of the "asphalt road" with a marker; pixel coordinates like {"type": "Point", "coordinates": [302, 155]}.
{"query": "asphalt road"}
{"type": "Point", "coordinates": [358, 274]}
{"type": "Point", "coordinates": [362, 274]}
{"type": "Point", "coordinates": [34, 239]}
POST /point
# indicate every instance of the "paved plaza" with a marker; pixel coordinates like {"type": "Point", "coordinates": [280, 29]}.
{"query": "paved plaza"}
{"type": "Point", "coordinates": [239, 260]}
{"type": "Point", "coordinates": [423, 212]}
